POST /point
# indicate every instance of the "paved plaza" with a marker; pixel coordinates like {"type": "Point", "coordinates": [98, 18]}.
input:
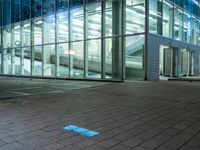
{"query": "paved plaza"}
{"type": "Point", "coordinates": [138, 115]}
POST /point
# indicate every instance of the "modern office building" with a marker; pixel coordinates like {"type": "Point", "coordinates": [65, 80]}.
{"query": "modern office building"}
{"type": "Point", "coordinates": [100, 39]}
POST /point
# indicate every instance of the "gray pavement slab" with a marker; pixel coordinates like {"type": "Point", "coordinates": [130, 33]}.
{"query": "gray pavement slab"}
{"type": "Point", "coordinates": [157, 115]}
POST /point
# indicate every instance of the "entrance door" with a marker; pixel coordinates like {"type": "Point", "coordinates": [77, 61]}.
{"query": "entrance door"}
{"type": "Point", "coordinates": [168, 61]}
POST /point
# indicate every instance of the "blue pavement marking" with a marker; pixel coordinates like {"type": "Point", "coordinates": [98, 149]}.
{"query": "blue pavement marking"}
{"type": "Point", "coordinates": [81, 131]}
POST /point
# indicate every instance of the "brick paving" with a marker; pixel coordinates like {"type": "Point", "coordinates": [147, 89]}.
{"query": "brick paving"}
{"type": "Point", "coordinates": [129, 116]}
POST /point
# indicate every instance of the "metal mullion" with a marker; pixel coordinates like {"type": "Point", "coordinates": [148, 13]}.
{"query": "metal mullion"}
{"type": "Point", "coordinates": [69, 36]}
{"type": "Point", "coordinates": [123, 40]}
{"type": "Point", "coordinates": [103, 12]}
{"type": "Point", "coordinates": [84, 43]}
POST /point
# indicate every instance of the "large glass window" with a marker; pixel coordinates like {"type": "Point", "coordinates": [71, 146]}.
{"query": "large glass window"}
{"type": "Point", "coordinates": [7, 36]}
{"type": "Point", "coordinates": [15, 11]}
{"type": "Point", "coordinates": [26, 33]}
{"type": "Point", "coordinates": [38, 28]}
{"type": "Point", "coordinates": [6, 12]}
{"type": "Point", "coordinates": [26, 4]}
{"type": "Point", "coordinates": [49, 29]}
{"type": "Point", "coordinates": [167, 19]}
{"type": "Point", "coordinates": [93, 59]}
{"type": "Point", "coordinates": [37, 60]}
{"type": "Point", "coordinates": [49, 60]}
{"type": "Point", "coordinates": [62, 60]}
{"type": "Point", "coordinates": [178, 23]}
{"type": "Point", "coordinates": [62, 5]}
{"type": "Point", "coordinates": [37, 8]}
{"type": "Point", "coordinates": [76, 60]}
{"type": "Point", "coordinates": [25, 61]}
{"type": "Point", "coordinates": [16, 35]}
{"type": "Point", "coordinates": [49, 7]}
{"type": "Point", "coordinates": [93, 27]}
{"type": "Point", "coordinates": [76, 3]}
{"type": "Point", "coordinates": [134, 57]}
{"type": "Point", "coordinates": [62, 27]}
{"type": "Point", "coordinates": [77, 24]}
{"type": "Point", "coordinates": [135, 16]}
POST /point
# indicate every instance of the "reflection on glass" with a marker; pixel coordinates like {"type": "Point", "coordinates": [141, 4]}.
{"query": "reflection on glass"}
{"type": "Point", "coordinates": [48, 7]}
{"type": "Point", "coordinates": [178, 24]}
{"type": "Point", "coordinates": [26, 33]}
{"type": "Point", "coordinates": [49, 60]}
{"type": "Point", "coordinates": [62, 27]}
{"type": "Point", "coordinates": [16, 42]}
{"type": "Point", "coordinates": [76, 59]}
{"type": "Point", "coordinates": [25, 61]}
{"type": "Point", "coordinates": [135, 16]}
{"type": "Point", "coordinates": [134, 57]}
{"type": "Point", "coordinates": [37, 31]}
{"type": "Point", "coordinates": [76, 24]}
{"type": "Point", "coordinates": [62, 60]}
{"type": "Point", "coordinates": [167, 19]}
{"type": "Point", "coordinates": [7, 36]}
{"type": "Point", "coordinates": [16, 65]}
{"type": "Point", "coordinates": [62, 5]}
{"type": "Point", "coordinates": [26, 4]}
{"type": "Point", "coordinates": [37, 8]}
{"type": "Point", "coordinates": [93, 20]}
{"type": "Point", "coordinates": [37, 60]}
{"type": "Point", "coordinates": [93, 63]}
{"type": "Point", "coordinates": [49, 29]}
{"type": "Point", "coordinates": [7, 61]}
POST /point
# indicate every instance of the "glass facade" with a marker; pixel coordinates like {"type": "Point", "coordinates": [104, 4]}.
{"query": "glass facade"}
{"type": "Point", "coordinates": [175, 19]}
{"type": "Point", "coordinates": [92, 39]}
{"type": "Point", "coordinates": [72, 38]}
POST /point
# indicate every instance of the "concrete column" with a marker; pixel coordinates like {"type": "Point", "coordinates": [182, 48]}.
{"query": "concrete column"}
{"type": "Point", "coordinates": [116, 45]}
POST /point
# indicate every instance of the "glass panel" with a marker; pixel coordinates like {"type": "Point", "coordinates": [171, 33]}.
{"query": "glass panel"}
{"type": "Point", "coordinates": [37, 31]}
{"type": "Point", "coordinates": [135, 16]}
{"type": "Point", "coordinates": [7, 59]}
{"type": "Point", "coordinates": [49, 7]}
{"type": "Point", "coordinates": [93, 59]}
{"type": "Point", "coordinates": [108, 19]}
{"type": "Point", "coordinates": [113, 58]}
{"type": "Point", "coordinates": [62, 27]}
{"type": "Point", "coordinates": [6, 12]}
{"type": "Point", "coordinates": [76, 24]}
{"type": "Point", "coordinates": [62, 5]}
{"type": "Point", "coordinates": [26, 33]}
{"type": "Point", "coordinates": [178, 24]}
{"type": "Point", "coordinates": [167, 19]}
{"type": "Point", "coordinates": [93, 20]}
{"type": "Point", "coordinates": [16, 35]}
{"type": "Point", "coordinates": [37, 60]}
{"type": "Point", "coordinates": [49, 29]}
{"type": "Point", "coordinates": [76, 60]}
{"type": "Point", "coordinates": [62, 60]}
{"type": "Point", "coordinates": [26, 61]}
{"type": "Point", "coordinates": [76, 3]}
{"type": "Point", "coordinates": [16, 61]}
{"type": "Point", "coordinates": [37, 8]}
{"type": "Point", "coordinates": [134, 57]}
{"type": "Point", "coordinates": [26, 4]}
{"type": "Point", "coordinates": [49, 60]}
{"type": "Point", "coordinates": [187, 28]}
{"type": "Point", "coordinates": [155, 17]}
{"type": "Point", "coordinates": [15, 11]}
{"type": "Point", "coordinates": [6, 36]}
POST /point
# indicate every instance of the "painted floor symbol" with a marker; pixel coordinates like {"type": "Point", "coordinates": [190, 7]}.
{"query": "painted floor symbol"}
{"type": "Point", "coordinates": [81, 131]}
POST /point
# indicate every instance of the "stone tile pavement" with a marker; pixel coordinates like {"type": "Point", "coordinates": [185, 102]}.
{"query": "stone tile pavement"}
{"type": "Point", "coordinates": [129, 116]}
